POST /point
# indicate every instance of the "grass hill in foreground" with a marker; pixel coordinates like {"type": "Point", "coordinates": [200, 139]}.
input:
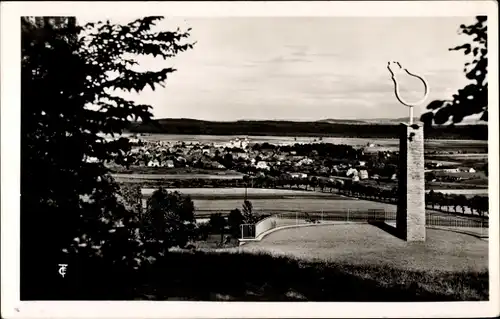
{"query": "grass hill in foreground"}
{"type": "Point", "coordinates": [323, 128]}
{"type": "Point", "coordinates": [223, 276]}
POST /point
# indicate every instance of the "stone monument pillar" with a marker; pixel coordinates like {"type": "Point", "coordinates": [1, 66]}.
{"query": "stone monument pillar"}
{"type": "Point", "coordinates": [410, 217]}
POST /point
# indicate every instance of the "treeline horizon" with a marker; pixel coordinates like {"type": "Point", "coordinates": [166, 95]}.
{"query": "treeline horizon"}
{"type": "Point", "coordinates": [300, 129]}
{"type": "Point", "coordinates": [478, 204]}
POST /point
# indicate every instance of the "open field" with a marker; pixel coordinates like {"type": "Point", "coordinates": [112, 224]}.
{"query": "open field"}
{"type": "Point", "coordinates": [270, 206]}
{"type": "Point", "coordinates": [472, 185]}
{"type": "Point", "coordinates": [471, 181]}
{"type": "Point", "coordinates": [466, 160]}
{"type": "Point", "coordinates": [466, 192]}
{"type": "Point", "coordinates": [208, 201]}
{"type": "Point", "coordinates": [130, 178]}
{"type": "Point", "coordinates": [438, 145]}
{"type": "Point", "coordinates": [466, 176]}
{"type": "Point", "coordinates": [278, 140]}
{"type": "Point", "coordinates": [363, 244]}
{"type": "Point", "coordinates": [239, 192]}
{"type": "Point", "coordinates": [269, 201]}
{"type": "Point", "coordinates": [435, 160]}
{"type": "Point", "coordinates": [136, 169]}
{"type": "Point", "coordinates": [282, 193]}
{"type": "Point", "coordinates": [481, 156]}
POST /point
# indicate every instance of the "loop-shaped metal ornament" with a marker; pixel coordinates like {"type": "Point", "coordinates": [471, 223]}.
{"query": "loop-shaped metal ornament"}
{"type": "Point", "coordinates": [396, 88]}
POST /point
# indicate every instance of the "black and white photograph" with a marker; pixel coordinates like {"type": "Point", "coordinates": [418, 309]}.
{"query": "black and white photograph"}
{"type": "Point", "coordinates": [250, 156]}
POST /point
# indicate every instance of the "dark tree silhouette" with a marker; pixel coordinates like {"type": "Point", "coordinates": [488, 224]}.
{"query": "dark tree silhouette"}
{"type": "Point", "coordinates": [461, 201]}
{"type": "Point", "coordinates": [228, 160]}
{"type": "Point", "coordinates": [248, 214]}
{"type": "Point", "coordinates": [321, 184]}
{"type": "Point", "coordinates": [169, 218]}
{"type": "Point", "coordinates": [429, 177]}
{"type": "Point", "coordinates": [217, 224]}
{"type": "Point", "coordinates": [132, 198]}
{"type": "Point", "coordinates": [235, 219]}
{"type": "Point", "coordinates": [473, 98]}
{"type": "Point", "coordinates": [69, 205]}
{"type": "Point", "coordinates": [246, 180]}
{"type": "Point", "coordinates": [479, 204]}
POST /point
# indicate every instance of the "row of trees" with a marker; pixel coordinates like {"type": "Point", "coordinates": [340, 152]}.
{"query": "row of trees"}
{"type": "Point", "coordinates": [435, 200]}
{"type": "Point", "coordinates": [259, 181]}
{"type": "Point", "coordinates": [477, 204]}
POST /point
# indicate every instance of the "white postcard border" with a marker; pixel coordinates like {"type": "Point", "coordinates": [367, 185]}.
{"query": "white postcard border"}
{"type": "Point", "coordinates": [10, 160]}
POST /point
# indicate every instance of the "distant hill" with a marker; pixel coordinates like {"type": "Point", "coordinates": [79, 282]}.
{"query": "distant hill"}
{"type": "Point", "coordinates": [369, 121]}
{"type": "Point", "coordinates": [396, 121]}
{"type": "Point", "coordinates": [342, 121]}
{"type": "Point", "coordinates": [323, 128]}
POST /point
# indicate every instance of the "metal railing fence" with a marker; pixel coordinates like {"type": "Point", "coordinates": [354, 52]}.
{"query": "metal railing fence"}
{"type": "Point", "coordinates": [250, 231]}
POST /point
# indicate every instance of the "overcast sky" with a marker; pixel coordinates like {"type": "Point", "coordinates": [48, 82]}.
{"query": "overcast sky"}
{"type": "Point", "coordinates": [305, 68]}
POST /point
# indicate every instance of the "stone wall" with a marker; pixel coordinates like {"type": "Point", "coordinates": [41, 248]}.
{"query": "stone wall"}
{"type": "Point", "coordinates": [410, 220]}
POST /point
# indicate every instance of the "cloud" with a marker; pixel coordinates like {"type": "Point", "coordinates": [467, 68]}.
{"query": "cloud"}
{"type": "Point", "coordinates": [302, 68]}
{"type": "Point", "coordinates": [286, 59]}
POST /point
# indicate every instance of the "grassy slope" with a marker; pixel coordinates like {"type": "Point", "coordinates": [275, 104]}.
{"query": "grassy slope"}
{"type": "Point", "coordinates": [364, 244]}
{"type": "Point", "coordinates": [240, 276]}
{"type": "Point", "coordinates": [255, 276]}
{"type": "Point", "coordinates": [280, 278]}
